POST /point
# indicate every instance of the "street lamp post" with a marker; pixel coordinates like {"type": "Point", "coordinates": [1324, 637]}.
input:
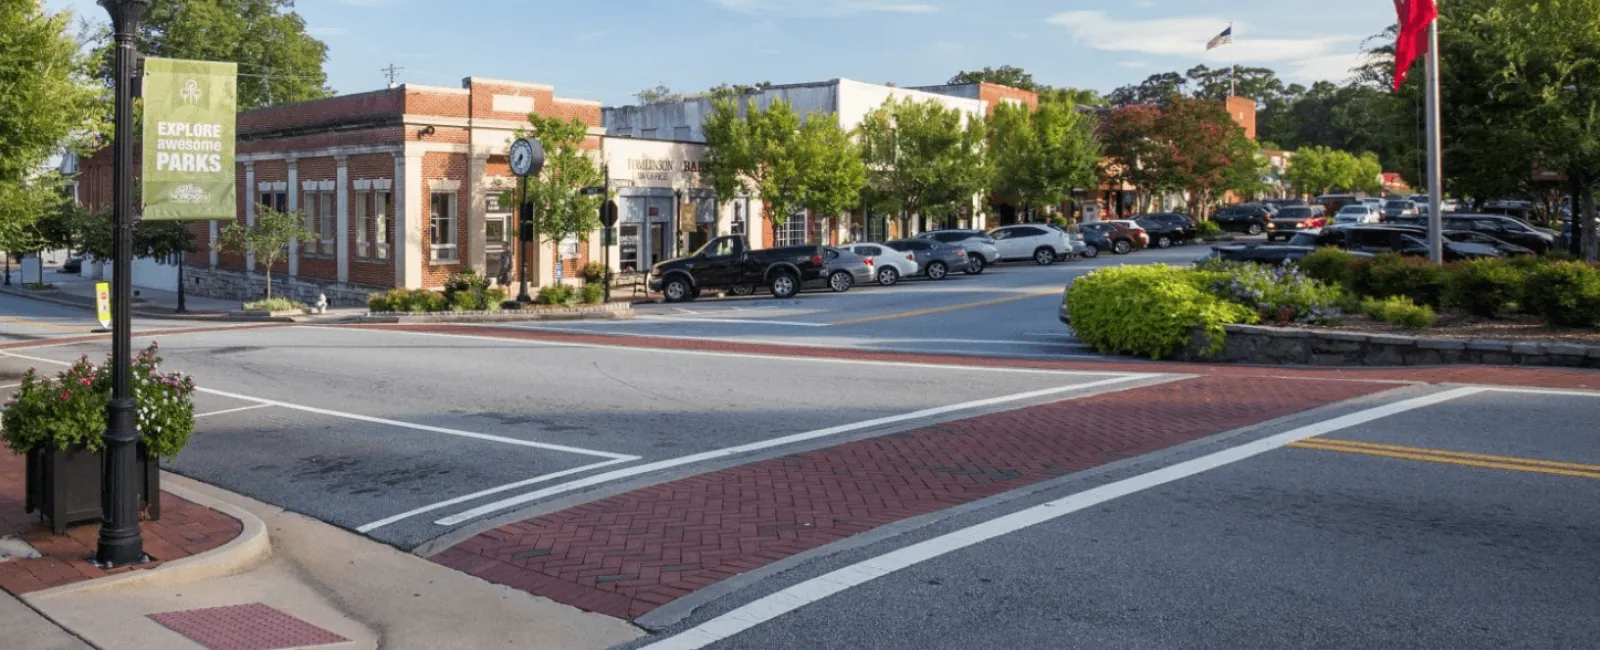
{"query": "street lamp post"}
{"type": "Point", "coordinates": [120, 542]}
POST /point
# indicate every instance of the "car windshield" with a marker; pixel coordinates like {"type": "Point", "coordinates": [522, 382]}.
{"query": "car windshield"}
{"type": "Point", "coordinates": [1295, 213]}
{"type": "Point", "coordinates": [717, 248]}
{"type": "Point", "coordinates": [1400, 205]}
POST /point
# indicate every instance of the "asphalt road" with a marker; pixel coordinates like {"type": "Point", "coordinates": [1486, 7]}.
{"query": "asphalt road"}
{"type": "Point", "coordinates": [1297, 547]}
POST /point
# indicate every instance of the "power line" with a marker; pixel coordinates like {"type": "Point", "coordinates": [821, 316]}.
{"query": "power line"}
{"type": "Point", "coordinates": [391, 73]}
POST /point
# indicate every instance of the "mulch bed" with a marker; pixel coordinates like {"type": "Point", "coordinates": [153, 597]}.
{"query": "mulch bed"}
{"type": "Point", "coordinates": [1462, 326]}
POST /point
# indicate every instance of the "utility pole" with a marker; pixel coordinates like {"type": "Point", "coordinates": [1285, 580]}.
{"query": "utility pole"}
{"type": "Point", "coordinates": [391, 73]}
{"type": "Point", "coordinates": [1435, 166]}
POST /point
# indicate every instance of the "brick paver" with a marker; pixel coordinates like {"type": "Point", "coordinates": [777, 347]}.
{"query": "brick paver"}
{"type": "Point", "coordinates": [1529, 376]}
{"type": "Point", "coordinates": [185, 529]}
{"type": "Point", "coordinates": [631, 553]}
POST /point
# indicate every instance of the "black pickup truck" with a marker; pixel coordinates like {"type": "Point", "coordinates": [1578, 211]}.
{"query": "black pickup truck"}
{"type": "Point", "coordinates": [727, 264]}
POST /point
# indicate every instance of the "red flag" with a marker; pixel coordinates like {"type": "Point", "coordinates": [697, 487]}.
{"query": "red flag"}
{"type": "Point", "coordinates": [1415, 15]}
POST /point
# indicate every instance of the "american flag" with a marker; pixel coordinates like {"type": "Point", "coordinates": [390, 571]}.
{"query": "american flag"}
{"type": "Point", "coordinates": [1224, 38]}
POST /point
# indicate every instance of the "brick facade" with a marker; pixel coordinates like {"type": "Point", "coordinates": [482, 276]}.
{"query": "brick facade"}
{"type": "Point", "coordinates": [1243, 111]}
{"type": "Point", "coordinates": [996, 94]}
{"type": "Point", "coordinates": [373, 135]}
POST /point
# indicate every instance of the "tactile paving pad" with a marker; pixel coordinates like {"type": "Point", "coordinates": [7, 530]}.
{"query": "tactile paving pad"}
{"type": "Point", "coordinates": [245, 627]}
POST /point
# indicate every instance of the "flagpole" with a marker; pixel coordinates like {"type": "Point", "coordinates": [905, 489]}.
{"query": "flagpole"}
{"type": "Point", "coordinates": [1435, 165]}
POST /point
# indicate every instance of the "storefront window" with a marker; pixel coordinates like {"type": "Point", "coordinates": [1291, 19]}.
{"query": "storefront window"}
{"type": "Point", "coordinates": [628, 245]}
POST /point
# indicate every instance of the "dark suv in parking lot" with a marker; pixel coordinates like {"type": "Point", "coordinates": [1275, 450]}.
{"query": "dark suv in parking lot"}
{"type": "Point", "coordinates": [1248, 218]}
{"type": "Point", "coordinates": [1168, 228]}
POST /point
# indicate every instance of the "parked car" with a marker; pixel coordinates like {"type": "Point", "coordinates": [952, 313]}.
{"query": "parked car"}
{"type": "Point", "coordinates": [1375, 203]}
{"type": "Point", "coordinates": [1356, 213]}
{"type": "Point", "coordinates": [727, 263]}
{"type": "Point", "coordinates": [1040, 243]}
{"type": "Point", "coordinates": [1506, 229]}
{"type": "Point", "coordinates": [891, 263]}
{"type": "Point", "coordinates": [1110, 236]}
{"type": "Point", "coordinates": [1261, 253]}
{"type": "Point", "coordinates": [1333, 203]}
{"type": "Point", "coordinates": [843, 269]}
{"type": "Point", "coordinates": [1285, 203]}
{"type": "Point", "coordinates": [1398, 209]}
{"type": "Point", "coordinates": [1405, 240]}
{"type": "Point", "coordinates": [980, 247]}
{"type": "Point", "coordinates": [1168, 228]}
{"type": "Point", "coordinates": [1524, 211]}
{"type": "Point", "coordinates": [1075, 241]}
{"type": "Point", "coordinates": [74, 264]}
{"type": "Point", "coordinates": [934, 260]}
{"type": "Point", "coordinates": [1506, 249]}
{"type": "Point", "coordinates": [1138, 231]}
{"type": "Point", "coordinates": [1291, 220]}
{"type": "Point", "coordinates": [1247, 218]}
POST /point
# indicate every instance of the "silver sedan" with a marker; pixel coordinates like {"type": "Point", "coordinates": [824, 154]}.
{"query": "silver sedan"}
{"type": "Point", "coordinates": [843, 269]}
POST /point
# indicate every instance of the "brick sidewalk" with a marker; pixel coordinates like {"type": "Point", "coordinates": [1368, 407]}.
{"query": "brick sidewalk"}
{"type": "Point", "coordinates": [626, 555]}
{"type": "Point", "coordinates": [1530, 376]}
{"type": "Point", "coordinates": [184, 530]}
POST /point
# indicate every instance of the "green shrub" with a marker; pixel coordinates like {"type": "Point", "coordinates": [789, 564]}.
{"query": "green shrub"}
{"type": "Point", "coordinates": [1275, 294]}
{"type": "Point", "coordinates": [1565, 294]}
{"type": "Point", "coordinates": [69, 412]}
{"type": "Point", "coordinates": [272, 304]}
{"type": "Point", "coordinates": [494, 297]}
{"type": "Point", "coordinates": [1390, 274]}
{"type": "Point", "coordinates": [378, 303]}
{"type": "Point", "coordinates": [555, 294]}
{"type": "Point", "coordinates": [1399, 310]}
{"type": "Point", "coordinates": [1149, 310]}
{"type": "Point", "coordinates": [1208, 229]}
{"type": "Point", "coordinates": [464, 301]}
{"type": "Point", "coordinates": [594, 294]}
{"type": "Point", "coordinates": [1487, 287]}
{"type": "Point", "coordinates": [594, 273]}
{"type": "Point", "coordinates": [1330, 266]}
{"type": "Point", "coordinates": [466, 291]}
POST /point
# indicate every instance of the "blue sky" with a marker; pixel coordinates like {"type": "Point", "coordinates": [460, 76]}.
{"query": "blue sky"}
{"type": "Point", "coordinates": [609, 49]}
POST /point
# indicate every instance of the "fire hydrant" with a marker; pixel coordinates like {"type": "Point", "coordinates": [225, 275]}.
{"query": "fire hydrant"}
{"type": "Point", "coordinates": [322, 303]}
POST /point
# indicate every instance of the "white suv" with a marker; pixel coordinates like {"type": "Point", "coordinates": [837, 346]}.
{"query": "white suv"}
{"type": "Point", "coordinates": [1038, 242]}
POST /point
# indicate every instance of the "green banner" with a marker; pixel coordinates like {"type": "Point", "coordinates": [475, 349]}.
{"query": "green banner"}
{"type": "Point", "coordinates": [189, 111]}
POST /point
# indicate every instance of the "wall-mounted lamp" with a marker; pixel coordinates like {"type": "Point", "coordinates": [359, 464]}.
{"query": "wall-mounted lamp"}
{"type": "Point", "coordinates": [426, 131]}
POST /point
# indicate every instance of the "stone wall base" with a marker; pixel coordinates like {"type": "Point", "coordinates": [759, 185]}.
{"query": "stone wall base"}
{"type": "Point", "coordinates": [237, 285]}
{"type": "Point", "coordinates": [1296, 346]}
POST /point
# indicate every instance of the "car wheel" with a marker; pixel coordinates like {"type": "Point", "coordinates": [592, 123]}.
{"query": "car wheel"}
{"type": "Point", "coordinates": [743, 289]}
{"type": "Point", "coordinates": [784, 285]}
{"type": "Point", "coordinates": [840, 282]}
{"type": "Point", "coordinates": [1163, 242]}
{"type": "Point", "coordinates": [937, 271]}
{"type": "Point", "coordinates": [676, 289]}
{"type": "Point", "coordinates": [1122, 247]}
{"type": "Point", "coordinates": [1255, 229]}
{"type": "Point", "coordinates": [888, 276]}
{"type": "Point", "coordinates": [1091, 252]}
{"type": "Point", "coordinates": [1044, 256]}
{"type": "Point", "coordinates": [975, 265]}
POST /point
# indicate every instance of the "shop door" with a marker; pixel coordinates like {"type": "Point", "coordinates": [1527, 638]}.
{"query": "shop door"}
{"type": "Point", "coordinates": [659, 241]}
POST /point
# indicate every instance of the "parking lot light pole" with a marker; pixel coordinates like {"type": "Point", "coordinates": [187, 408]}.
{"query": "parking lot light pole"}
{"type": "Point", "coordinates": [120, 542]}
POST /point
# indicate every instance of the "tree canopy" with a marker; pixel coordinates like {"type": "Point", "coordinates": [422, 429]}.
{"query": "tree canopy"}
{"type": "Point", "coordinates": [1040, 156]}
{"type": "Point", "coordinates": [791, 166]}
{"type": "Point", "coordinates": [279, 62]}
{"type": "Point", "coordinates": [1320, 170]}
{"type": "Point", "coordinates": [561, 210]}
{"type": "Point", "coordinates": [922, 158]}
{"type": "Point", "coordinates": [268, 237]}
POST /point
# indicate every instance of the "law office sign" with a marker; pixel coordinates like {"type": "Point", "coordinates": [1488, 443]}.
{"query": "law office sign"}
{"type": "Point", "coordinates": [189, 111]}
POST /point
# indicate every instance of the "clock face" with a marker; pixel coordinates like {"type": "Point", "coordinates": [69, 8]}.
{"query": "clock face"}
{"type": "Point", "coordinates": [521, 157]}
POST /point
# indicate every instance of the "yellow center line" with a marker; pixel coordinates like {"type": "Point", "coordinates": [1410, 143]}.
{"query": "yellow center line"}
{"type": "Point", "coordinates": [42, 325]}
{"type": "Point", "coordinates": [1453, 458]}
{"type": "Point", "coordinates": [946, 308]}
{"type": "Point", "coordinates": [1457, 454]}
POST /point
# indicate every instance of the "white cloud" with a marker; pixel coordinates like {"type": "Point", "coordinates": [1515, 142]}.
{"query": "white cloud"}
{"type": "Point", "coordinates": [327, 31]}
{"type": "Point", "coordinates": [826, 7]}
{"type": "Point", "coordinates": [1314, 57]}
{"type": "Point", "coordinates": [1133, 64]}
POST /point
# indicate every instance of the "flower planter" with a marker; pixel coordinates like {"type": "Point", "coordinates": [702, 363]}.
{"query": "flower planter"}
{"type": "Point", "coordinates": [65, 486]}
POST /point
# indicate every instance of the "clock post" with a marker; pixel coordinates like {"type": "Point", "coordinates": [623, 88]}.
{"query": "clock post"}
{"type": "Point", "coordinates": [527, 159]}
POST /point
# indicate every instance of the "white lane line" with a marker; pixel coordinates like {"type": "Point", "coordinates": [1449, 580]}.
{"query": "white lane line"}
{"type": "Point", "coordinates": [745, 355]}
{"type": "Point", "coordinates": [1545, 391]}
{"type": "Point", "coordinates": [424, 427]}
{"type": "Point", "coordinates": [737, 321]}
{"type": "Point", "coordinates": [376, 420]}
{"type": "Point", "coordinates": [617, 475]}
{"type": "Point", "coordinates": [823, 586]}
{"type": "Point", "coordinates": [366, 528]}
{"type": "Point", "coordinates": [251, 407]}
{"type": "Point", "coordinates": [10, 386]}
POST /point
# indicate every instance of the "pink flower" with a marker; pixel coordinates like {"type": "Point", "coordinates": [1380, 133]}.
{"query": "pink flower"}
{"type": "Point", "coordinates": [66, 395]}
{"type": "Point", "coordinates": [84, 381]}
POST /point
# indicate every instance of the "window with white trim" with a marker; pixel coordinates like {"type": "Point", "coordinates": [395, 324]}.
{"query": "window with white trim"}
{"type": "Point", "coordinates": [442, 224]}
{"type": "Point", "coordinates": [793, 231]}
{"type": "Point", "coordinates": [320, 219]}
{"type": "Point", "coordinates": [569, 247]}
{"type": "Point", "coordinates": [371, 210]}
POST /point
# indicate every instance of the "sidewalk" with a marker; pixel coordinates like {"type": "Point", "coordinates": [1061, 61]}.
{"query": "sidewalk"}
{"type": "Point", "coordinates": [72, 290]}
{"type": "Point", "coordinates": [311, 585]}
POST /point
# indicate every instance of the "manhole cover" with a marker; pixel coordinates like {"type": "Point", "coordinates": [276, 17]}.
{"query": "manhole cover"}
{"type": "Point", "coordinates": [245, 627]}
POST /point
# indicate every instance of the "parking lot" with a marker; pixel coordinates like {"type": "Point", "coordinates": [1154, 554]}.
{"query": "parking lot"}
{"type": "Point", "coordinates": [406, 437]}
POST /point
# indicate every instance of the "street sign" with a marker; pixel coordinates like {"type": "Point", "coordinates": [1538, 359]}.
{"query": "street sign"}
{"type": "Point", "coordinates": [608, 214]}
{"type": "Point", "coordinates": [592, 191]}
{"type": "Point", "coordinates": [102, 301]}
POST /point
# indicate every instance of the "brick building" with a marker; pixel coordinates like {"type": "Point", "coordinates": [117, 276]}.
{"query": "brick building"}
{"type": "Point", "coordinates": [400, 185]}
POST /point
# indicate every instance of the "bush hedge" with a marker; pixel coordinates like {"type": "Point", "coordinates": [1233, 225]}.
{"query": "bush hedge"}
{"type": "Point", "coordinates": [1149, 310]}
{"type": "Point", "coordinates": [1390, 274]}
{"type": "Point", "coordinates": [1399, 310]}
{"type": "Point", "coordinates": [1565, 294]}
{"type": "Point", "coordinates": [593, 294]}
{"type": "Point", "coordinates": [555, 294]}
{"type": "Point", "coordinates": [1489, 288]}
{"type": "Point", "coordinates": [1330, 266]}
{"type": "Point", "coordinates": [1277, 294]}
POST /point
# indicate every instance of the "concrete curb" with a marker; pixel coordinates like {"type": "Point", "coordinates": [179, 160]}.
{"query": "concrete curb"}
{"type": "Point", "coordinates": [607, 311]}
{"type": "Point", "coordinates": [251, 548]}
{"type": "Point", "coordinates": [1258, 344]}
{"type": "Point", "coordinates": [50, 297]}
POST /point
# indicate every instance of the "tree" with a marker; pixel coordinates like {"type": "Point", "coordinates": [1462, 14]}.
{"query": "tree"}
{"type": "Point", "coordinates": [268, 238]}
{"type": "Point", "coordinates": [1130, 149]}
{"type": "Point", "coordinates": [727, 91]}
{"type": "Point", "coordinates": [1006, 75]}
{"type": "Point", "coordinates": [560, 209]}
{"type": "Point", "coordinates": [660, 94]}
{"type": "Point", "coordinates": [921, 158]}
{"type": "Point", "coordinates": [829, 162]}
{"type": "Point", "coordinates": [1198, 147]}
{"type": "Point", "coordinates": [1321, 170]}
{"type": "Point", "coordinates": [278, 61]}
{"type": "Point", "coordinates": [46, 102]}
{"type": "Point", "coordinates": [1040, 156]}
{"type": "Point", "coordinates": [1154, 89]}
{"type": "Point", "coordinates": [791, 166]}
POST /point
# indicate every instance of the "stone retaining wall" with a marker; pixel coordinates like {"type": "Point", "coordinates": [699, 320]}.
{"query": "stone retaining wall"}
{"type": "Point", "coordinates": [236, 285]}
{"type": "Point", "coordinates": [1296, 346]}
